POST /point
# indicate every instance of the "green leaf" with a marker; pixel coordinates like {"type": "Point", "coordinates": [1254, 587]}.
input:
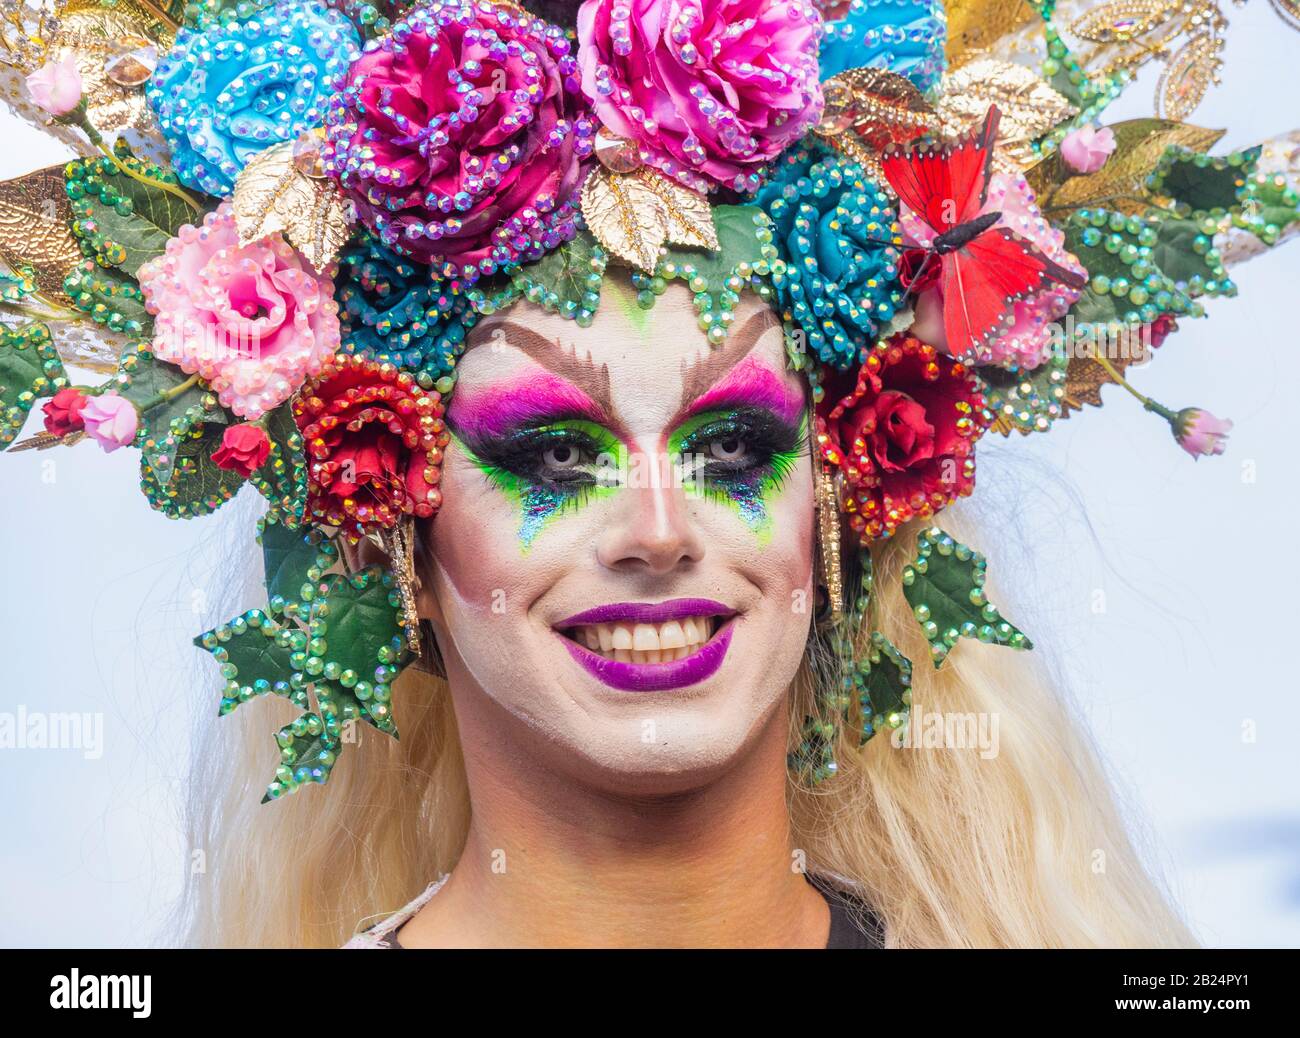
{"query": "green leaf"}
{"type": "Point", "coordinates": [1186, 254]}
{"type": "Point", "coordinates": [1029, 401]}
{"type": "Point", "coordinates": [254, 654]}
{"type": "Point", "coordinates": [195, 486]}
{"type": "Point", "coordinates": [293, 558]}
{"type": "Point", "coordinates": [358, 646]}
{"type": "Point", "coordinates": [118, 220]}
{"type": "Point", "coordinates": [309, 748]}
{"type": "Point", "coordinates": [1204, 183]}
{"type": "Point", "coordinates": [164, 419]}
{"type": "Point", "coordinates": [738, 227]}
{"type": "Point", "coordinates": [1268, 208]}
{"type": "Point", "coordinates": [30, 368]}
{"type": "Point", "coordinates": [568, 277]}
{"type": "Point", "coordinates": [1101, 306]}
{"type": "Point", "coordinates": [282, 480]}
{"type": "Point", "coordinates": [18, 285]}
{"type": "Point", "coordinates": [110, 298]}
{"type": "Point", "coordinates": [885, 686]}
{"type": "Point", "coordinates": [944, 585]}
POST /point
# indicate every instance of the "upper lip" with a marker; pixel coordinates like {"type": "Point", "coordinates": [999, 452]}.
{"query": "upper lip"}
{"type": "Point", "coordinates": [648, 612]}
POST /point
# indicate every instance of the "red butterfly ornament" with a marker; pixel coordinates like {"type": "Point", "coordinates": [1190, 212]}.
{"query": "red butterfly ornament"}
{"type": "Point", "coordinates": [984, 269]}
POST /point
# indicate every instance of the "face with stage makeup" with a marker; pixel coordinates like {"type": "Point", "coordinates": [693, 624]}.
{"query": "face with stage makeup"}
{"type": "Point", "coordinates": [623, 560]}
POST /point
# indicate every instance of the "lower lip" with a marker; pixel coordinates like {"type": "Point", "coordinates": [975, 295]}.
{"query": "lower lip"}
{"type": "Point", "coordinates": [655, 677]}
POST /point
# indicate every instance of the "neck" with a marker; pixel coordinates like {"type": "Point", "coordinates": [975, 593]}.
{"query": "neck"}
{"type": "Point", "coordinates": [553, 862]}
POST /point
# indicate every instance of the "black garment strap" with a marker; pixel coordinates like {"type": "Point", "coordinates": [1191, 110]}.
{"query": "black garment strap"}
{"type": "Point", "coordinates": [853, 924]}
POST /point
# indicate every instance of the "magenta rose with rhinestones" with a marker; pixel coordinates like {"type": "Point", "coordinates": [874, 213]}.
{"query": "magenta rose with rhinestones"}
{"type": "Point", "coordinates": [708, 90]}
{"type": "Point", "coordinates": [254, 321]}
{"type": "Point", "coordinates": [460, 137]}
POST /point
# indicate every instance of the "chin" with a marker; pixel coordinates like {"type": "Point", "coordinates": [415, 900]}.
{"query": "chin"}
{"type": "Point", "coordinates": [628, 734]}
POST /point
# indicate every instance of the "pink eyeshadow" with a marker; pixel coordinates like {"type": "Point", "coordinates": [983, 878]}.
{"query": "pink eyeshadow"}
{"type": "Point", "coordinates": [751, 382]}
{"type": "Point", "coordinates": [492, 411]}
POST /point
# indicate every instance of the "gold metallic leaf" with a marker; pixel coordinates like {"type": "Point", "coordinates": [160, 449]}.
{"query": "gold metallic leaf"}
{"type": "Point", "coordinates": [633, 214]}
{"type": "Point", "coordinates": [1029, 106]}
{"type": "Point", "coordinates": [90, 32]}
{"type": "Point", "coordinates": [689, 216]}
{"type": "Point", "coordinates": [35, 229]}
{"type": "Point", "coordinates": [974, 26]}
{"type": "Point", "coordinates": [1187, 76]}
{"type": "Point", "coordinates": [868, 109]}
{"type": "Point", "coordinates": [1084, 379]}
{"type": "Point", "coordinates": [1139, 146]}
{"type": "Point", "coordinates": [1120, 21]}
{"type": "Point", "coordinates": [272, 194]}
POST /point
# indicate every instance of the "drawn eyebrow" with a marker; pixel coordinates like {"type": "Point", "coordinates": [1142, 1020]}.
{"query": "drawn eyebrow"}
{"type": "Point", "coordinates": [700, 374]}
{"type": "Point", "coordinates": [550, 354]}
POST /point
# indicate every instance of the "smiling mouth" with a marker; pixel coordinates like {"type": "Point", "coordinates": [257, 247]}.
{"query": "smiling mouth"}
{"type": "Point", "coordinates": [638, 647]}
{"type": "Point", "coordinates": [646, 643]}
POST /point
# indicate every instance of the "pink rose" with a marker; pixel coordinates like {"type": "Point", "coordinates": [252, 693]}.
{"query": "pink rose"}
{"type": "Point", "coordinates": [709, 90]}
{"type": "Point", "coordinates": [1086, 149]}
{"type": "Point", "coordinates": [111, 420]}
{"type": "Point", "coordinates": [1199, 433]}
{"type": "Point", "coordinates": [1028, 339]}
{"type": "Point", "coordinates": [56, 86]}
{"type": "Point", "coordinates": [460, 137]}
{"type": "Point", "coordinates": [254, 321]}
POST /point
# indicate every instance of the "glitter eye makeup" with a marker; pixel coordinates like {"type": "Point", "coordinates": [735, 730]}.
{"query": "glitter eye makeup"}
{"type": "Point", "coordinates": [547, 466]}
{"type": "Point", "coordinates": [741, 456]}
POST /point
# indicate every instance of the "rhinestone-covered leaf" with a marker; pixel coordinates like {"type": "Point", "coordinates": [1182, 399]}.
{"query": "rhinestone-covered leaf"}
{"type": "Point", "coordinates": [30, 368]}
{"type": "Point", "coordinates": [944, 585]}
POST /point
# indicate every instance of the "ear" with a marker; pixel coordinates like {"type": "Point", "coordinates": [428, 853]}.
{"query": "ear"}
{"type": "Point", "coordinates": [363, 553]}
{"type": "Point", "coordinates": [426, 602]}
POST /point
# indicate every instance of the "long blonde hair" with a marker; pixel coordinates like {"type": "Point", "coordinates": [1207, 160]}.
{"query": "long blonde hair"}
{"type": "Point", "coordinates": [1023, 849]}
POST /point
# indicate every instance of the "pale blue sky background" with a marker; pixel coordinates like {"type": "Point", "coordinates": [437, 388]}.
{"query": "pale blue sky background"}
{"type": "Point", "coordinates": [1197, 565]}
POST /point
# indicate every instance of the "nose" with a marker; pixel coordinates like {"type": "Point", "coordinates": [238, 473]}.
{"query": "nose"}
{"type": "Point", "coordinates": [650, 529]}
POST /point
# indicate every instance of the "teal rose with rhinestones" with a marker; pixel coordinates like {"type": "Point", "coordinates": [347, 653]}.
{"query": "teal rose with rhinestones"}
{"type": "Point", "coordinates": [226, 92]}
{"type": "Point", "coordinates": [393, 313]}
{"type": "Point", "coordinates": [839, 238]}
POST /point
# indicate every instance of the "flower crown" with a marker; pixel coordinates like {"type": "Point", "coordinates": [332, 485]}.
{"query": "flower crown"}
{"type": "Point", "coordinates": [309, 205]}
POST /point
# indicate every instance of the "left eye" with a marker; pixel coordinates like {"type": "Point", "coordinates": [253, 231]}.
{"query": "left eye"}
{"type": "Point", "coordinates": [562, 456]}
{"type": "Point", "coordinates": [728, 448]}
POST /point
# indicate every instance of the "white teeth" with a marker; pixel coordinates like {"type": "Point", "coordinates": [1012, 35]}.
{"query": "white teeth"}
{"type": "Point", "coordinates": [647, 643]}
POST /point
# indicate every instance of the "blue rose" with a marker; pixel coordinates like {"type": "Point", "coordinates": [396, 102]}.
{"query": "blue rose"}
{"type": "Point", "coordinates": [392, 312]}
{"type": "Point", "coordinates": [903, 36]}
{"type": "Point", "coordinates": [226, 92]}
{"type": "Point", "coordinates": [838, 235]}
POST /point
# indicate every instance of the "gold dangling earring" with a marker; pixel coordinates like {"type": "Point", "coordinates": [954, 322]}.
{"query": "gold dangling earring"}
{"type": "Point", "coordinates": [829, 564]}
{"type": "Point", "coordinates": [399, 543]}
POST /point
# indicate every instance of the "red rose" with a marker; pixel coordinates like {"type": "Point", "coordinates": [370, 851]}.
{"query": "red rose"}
{"type": "Point", "coordinates": [903, 434]}
{"type": "Point", "coordinates": [244, 449]}
{"type": "Point", "coordinates": [63, 412]}
{"type": "Point", "coordinates": [1161, 328]}
{"type": "Point", "coordinates": [374, 443]}
{"type": "Point", "coordinates": [918, 269]}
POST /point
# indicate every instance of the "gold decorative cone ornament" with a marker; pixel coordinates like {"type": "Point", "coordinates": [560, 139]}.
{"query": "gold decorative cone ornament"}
{"type": "Point", "coordinates": [35, 222]}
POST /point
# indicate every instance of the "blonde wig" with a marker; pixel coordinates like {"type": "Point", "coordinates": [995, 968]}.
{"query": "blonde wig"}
{"type": "Point", "coordinates": [951, 847]}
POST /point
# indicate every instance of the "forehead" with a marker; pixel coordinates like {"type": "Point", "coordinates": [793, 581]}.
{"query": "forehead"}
{"type": "Point", "coordinates": [641, 366]}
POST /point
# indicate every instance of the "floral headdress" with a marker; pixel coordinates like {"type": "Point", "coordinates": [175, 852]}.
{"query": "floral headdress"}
{"type": "Point", "coordinates": [308, 205]}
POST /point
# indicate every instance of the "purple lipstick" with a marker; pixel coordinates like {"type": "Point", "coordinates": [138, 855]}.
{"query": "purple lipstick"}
{"type": "Point", "coordinates": [653, 677]}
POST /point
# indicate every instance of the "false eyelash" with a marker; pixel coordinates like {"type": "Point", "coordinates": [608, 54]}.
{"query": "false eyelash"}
{"type": "Point", "coordinates": [517, 452]}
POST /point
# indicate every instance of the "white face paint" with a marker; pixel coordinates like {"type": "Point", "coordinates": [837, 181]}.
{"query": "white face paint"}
{"type": "Point", "coordinates": [650, 701]}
